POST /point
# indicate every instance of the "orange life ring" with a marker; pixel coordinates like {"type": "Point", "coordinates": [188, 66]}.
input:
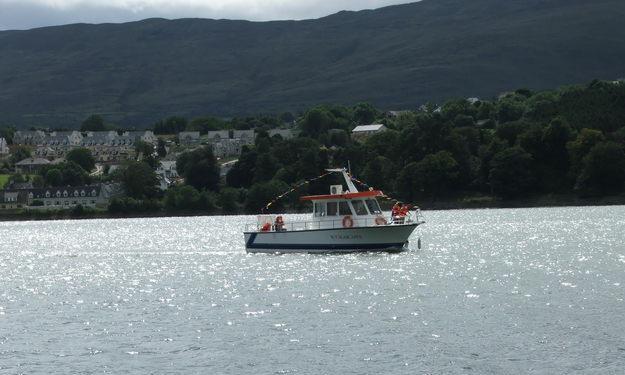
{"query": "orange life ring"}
{"type": "Point", "coordinates": [380, 221]}
{"type": "Point", "coordinates": [348, 222]}
{"type": "Point", "coordinates": [266, 227]}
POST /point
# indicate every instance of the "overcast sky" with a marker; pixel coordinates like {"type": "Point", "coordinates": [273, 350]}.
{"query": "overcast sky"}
{"type": "Point", "coordinates": [26, 14]}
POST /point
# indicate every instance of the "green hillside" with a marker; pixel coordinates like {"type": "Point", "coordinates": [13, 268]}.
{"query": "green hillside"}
{"type": "Point", "coordinates": [396, 58]}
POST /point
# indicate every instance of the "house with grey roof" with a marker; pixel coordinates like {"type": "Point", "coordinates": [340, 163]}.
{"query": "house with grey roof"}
{"type": "Point", "coordinates": [11, 199]}
{"type": "Point", "coordinates": [31, 165]}
{"type": "Point", "coordinates": [218, 135]}
{"type": "Point", "coordinates": [246, 137]}
{"type": "Point", "coordinates": [364, 131]}
{"type": "Point", "coordinates": [146, 136]}
{"type": "Point", "coordinates": [29, 137]}
{"type": "Point", "coordinates": [96, 195]}
{"type": "Point", "coordinates": [74, 138]}
{"type": "Point", "coordinates": [189, 138]}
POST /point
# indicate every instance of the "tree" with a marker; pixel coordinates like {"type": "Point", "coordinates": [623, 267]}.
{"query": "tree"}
{"type": "Point", "coordinates": [182, 198]}
{"type": "Point", "coordinates": [436, 173]}
{"type": "Point", "coordinates": [242, 173]}
{"type": "Point", "coordinates": [73, 174]}
{"type": "Point", "coordinates": [19, 153]}
{"type": "Point", "coordinates": [146, 150]}
{"type": "Point", "coordinates": [379, 173]}
{"type": "Point", "coordinates": [603, 170]}
{"type": "Point", "coordinates": [161, 150]}
{"type": "Point", "coordinates": [53, 177]}
{"type": "Point", "coordinates": [82, 157]}
{"type": "Point", "coordinates": [206, 124]}
{"type": "Point", "coordinates": [510, 175]}
{"type": "Point", "coordinates": [317, 121]}
{"type": "Point", "coordinates": [263, 193]}
{"type": "Point", "coordinates": [227, 200]}
{"type": "Point", "coordinates": [171, 125]}
{"type": "Point", "coordinates": [38, 181]}
{"type": "Point", "coordinates": [509, 109]}
{"type": "Point", "coordinates": [68, 173]}
{"type": "Point", "coordinates": [580, 147]}
{"type": "Point", "coordinates": [199, 168]}
{"type": "Point", "coordinates": [7, 133]}
{"type": "Point", "coordinates": [139, 180]}
{"type": "Point", "coordinates": [406, 182]}
{"type": "Point", "coordinates": [266, 167]}
{"type": "Point", "coordinates": [93, 123]}
{"type": "Point", "coordinates": [364, 113]}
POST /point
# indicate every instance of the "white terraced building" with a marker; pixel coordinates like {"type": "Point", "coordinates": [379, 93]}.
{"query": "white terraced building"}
{"type": "Point", "coordinates": [4, 147]}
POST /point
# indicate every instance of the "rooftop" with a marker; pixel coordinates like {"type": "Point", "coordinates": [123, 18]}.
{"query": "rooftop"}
{"type": "Point", "coordinates": [368, 128]}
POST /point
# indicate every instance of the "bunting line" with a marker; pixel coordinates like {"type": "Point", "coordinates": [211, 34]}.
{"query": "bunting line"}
{"type": "Point", "coordinates": [298, 186]}
{"type": "Point", "coordinates": [293, 188]}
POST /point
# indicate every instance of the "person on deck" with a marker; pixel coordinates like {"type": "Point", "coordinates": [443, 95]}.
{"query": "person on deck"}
{"type": "Point", "coordinates": [396, 212]}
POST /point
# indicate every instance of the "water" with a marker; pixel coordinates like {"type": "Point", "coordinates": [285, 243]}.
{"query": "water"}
{"type": "Point", "coordinates": [528, 291]}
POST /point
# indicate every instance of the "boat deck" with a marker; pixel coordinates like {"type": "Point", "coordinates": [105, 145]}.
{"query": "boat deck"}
{"type": "Point", "coordinates": [367, 222]}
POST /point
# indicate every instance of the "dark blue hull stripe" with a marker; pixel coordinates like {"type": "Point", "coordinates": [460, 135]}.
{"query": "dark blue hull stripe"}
{"type": "Point", "coordinates": [374, 246]}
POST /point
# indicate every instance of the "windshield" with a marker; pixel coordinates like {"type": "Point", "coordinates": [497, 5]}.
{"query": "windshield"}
{"type": "Point", "coordinates": [374, 207]}
{"type": "Point", "coordinates": [359, 207]}
{"type": "Point", "coordinates": [320, 209]}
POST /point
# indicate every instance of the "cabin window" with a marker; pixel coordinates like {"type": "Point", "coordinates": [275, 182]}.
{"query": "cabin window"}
{"type": "Point", "coordinates": [320, 209]}
{"type": "Point", "coordinates": [333, 208]}
{"type": "Point", "coordinates": [359, 207]}
{"type": "Point", "coordinates": [344, 209]}
{"type": "Point", "coordinates": [374, 207]}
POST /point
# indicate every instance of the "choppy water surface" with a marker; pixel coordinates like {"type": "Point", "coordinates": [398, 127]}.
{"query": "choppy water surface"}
{"type": "Point", "coordinates": [492, 292]}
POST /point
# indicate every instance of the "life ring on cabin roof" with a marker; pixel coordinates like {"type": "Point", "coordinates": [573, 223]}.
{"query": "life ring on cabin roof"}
{"type": "Point", "coordinates": [380, 221]}
{"type": "Point", "coordinates": [348, 222]}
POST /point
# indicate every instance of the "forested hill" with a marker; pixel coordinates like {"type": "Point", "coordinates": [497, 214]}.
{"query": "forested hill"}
{"type": "Point", "coordinates": [396, 57]}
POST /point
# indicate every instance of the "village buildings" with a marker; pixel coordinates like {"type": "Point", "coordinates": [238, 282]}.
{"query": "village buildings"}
{"type": "Point", "coordinates": [97, 195]}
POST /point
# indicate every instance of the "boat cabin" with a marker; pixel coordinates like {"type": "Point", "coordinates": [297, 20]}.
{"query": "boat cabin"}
{"type": "Point", "coordinates": [339, 209]}
{"type": "Point", "coordinates": [351, 208]}
{"type": "Point", "coordinates": [361, 205]}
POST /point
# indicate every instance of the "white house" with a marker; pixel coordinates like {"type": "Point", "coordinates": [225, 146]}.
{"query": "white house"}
{"type": "Point", "coordinates": [364, 131]}
{"type": "Point", "coordinates": [4, 147]}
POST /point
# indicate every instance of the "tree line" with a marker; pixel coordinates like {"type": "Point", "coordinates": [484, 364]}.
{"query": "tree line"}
{"type": "Point", "coordinates": [523, 144]}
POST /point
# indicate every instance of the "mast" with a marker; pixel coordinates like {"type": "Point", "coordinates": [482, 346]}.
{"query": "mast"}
{"type": "Point", "coordinates": [351, 188]}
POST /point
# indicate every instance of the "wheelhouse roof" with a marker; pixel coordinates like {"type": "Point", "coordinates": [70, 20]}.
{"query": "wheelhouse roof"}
{"type": "Point", "coordinates": [340, 197]}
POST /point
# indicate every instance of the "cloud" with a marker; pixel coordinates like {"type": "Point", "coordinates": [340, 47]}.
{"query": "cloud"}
{"type": "Point", "coordinates": [24, 14]}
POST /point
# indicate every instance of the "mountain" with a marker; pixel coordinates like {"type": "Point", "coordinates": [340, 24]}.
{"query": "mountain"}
{"type": "Point", "coordinates": [396, 57]}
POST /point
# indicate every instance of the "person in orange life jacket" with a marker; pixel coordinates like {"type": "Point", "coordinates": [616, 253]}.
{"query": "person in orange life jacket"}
{"type": "Point", "coordinates": [395, 210]}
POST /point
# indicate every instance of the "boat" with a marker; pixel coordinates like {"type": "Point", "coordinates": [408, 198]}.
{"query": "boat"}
{"type": "Point", "coordinates": [344, 221]}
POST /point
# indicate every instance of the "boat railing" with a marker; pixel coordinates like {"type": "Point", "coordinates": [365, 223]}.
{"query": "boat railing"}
{"type": "Point", "coordinates": [340, 222]}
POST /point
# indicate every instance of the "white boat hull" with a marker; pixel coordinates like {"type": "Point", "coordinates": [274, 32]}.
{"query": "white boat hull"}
{"type": "Point", "coordinates": [339, 240]}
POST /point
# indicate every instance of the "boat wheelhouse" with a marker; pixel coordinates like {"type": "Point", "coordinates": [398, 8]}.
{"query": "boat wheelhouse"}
{"type": "Point", "coordinates": [346, 220]}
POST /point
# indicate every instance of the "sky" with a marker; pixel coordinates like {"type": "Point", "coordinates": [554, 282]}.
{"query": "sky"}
{"type": "Point", "coordinates": [27, 14]}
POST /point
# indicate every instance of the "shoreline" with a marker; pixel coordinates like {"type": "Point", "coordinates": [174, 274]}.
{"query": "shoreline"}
{"type": "Point", "coordinates": [547, 201]}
